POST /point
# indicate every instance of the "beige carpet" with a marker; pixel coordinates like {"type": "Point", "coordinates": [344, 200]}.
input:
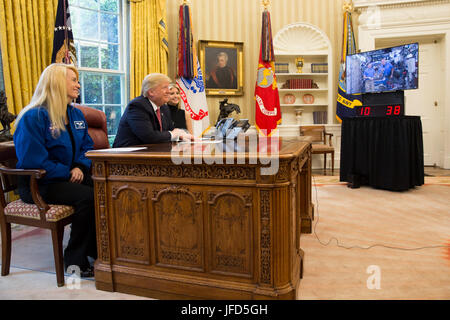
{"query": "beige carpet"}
{"type": "Point", "coordinates": [355, 217]}
{"type": "Point", "coordinates": [375, 244]}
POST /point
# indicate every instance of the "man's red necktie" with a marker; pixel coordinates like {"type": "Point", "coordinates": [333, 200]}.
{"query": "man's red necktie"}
{"type": "Point", "coordinates": [158, 115]}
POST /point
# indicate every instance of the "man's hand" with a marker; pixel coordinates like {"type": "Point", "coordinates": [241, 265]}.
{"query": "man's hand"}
{"type": "Point", "coordinates": [76, 175]}
{"type": "Point", "coordinates": [187, 137]}
{"type": "Point", "coordinates": [181, 135]}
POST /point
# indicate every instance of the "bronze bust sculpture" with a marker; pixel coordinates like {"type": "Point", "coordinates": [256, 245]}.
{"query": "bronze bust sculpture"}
{"type": "Point", "coordinates": [229, 128]}
{"type": "Point", "coordinates": [226, 109]}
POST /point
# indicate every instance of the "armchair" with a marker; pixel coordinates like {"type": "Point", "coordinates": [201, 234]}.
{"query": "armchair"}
{"type": "Point", "coordinates": [40, 214]}
{"type": "Point", "coordinates": [319, 143]}
{"type": "Point", "coordinates": [97, 128]}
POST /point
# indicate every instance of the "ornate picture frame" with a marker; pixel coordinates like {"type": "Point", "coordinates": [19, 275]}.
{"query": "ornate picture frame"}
{"type": "Point", "coordinates": [222, 63]}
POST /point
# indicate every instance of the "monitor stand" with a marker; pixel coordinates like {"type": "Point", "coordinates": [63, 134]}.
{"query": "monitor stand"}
{"type": "Point", "coordinates": [384, 98]}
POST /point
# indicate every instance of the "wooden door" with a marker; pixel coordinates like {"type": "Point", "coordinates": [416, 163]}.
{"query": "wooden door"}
{"type": "Point", "coordinates": [427, 101]}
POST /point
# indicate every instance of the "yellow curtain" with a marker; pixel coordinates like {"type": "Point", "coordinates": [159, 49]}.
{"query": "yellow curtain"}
{"type": "Point", "coordinates": [149, 48]}
{"type": "Point", "coordinates": [26, 35]}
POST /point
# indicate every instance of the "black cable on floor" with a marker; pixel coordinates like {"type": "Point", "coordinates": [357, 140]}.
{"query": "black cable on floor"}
{"type": "Point", "coordinates": [359, 247]}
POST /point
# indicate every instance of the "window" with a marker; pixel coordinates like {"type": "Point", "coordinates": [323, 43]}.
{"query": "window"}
{"type": "Point", "coordinates": [98, 31]}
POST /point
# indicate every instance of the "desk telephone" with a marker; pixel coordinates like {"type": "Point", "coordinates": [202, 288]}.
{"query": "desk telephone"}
{"type": "Point", "coordinates": [229, 128]}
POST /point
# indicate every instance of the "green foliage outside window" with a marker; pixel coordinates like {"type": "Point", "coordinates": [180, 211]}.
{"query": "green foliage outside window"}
{"type": "Point", "coordinates": [96, 26]}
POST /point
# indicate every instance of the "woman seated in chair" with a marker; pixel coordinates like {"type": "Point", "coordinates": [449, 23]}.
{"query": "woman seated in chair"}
{"type": "Point", "coordinates": [52, 135]}
{"type": "Point", "coordinates": [180, 118]}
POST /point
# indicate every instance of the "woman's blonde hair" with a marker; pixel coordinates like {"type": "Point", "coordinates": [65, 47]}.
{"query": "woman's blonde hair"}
{"type": "Point", "coordinates": [174, 85]}
{"type": "Point", "coordinates": [51, 93]}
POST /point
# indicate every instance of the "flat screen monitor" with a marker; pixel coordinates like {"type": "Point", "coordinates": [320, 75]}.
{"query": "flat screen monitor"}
{"type": "Point", "coordinates": [389, 69]}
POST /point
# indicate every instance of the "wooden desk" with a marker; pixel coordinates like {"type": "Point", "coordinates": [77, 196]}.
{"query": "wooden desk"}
{"type": "Point", "coordinates": [202, 230]}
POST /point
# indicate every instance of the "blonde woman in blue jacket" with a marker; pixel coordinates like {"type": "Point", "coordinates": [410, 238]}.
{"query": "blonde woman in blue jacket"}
{"type": "Point", "coordinates": [52, 135]}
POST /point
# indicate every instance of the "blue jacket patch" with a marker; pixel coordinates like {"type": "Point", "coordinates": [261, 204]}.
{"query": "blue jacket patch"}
{"type": "Point", "coordinates": [79, 125]}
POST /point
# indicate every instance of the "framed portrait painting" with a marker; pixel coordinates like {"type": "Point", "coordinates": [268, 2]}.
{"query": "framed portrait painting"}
{"type": "Point", "coordinates": [222, 65]}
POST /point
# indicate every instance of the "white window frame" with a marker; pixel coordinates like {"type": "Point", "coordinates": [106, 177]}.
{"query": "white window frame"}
{"type": "Point", "coordinates": [123, 71]}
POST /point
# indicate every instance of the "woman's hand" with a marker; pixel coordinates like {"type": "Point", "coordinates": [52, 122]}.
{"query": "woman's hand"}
{"type": "Point", "coordinates": [76, 175]}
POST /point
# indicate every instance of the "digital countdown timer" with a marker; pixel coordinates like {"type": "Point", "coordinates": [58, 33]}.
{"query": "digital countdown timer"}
{"type": "Point", "coordinates": [388, 110]}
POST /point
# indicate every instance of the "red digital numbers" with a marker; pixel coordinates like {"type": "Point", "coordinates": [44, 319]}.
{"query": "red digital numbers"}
{"type": "Point", "coordinates": [393, 110]}
{"type": "Point", "coordinates": [380, 110]}
{"type": "Point", "coordinates": [365, 111]}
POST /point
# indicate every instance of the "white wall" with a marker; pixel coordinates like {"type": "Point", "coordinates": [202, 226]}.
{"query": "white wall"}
{"type": "Point", "coordinates": [413, 18]}
{"type": "Point", "coordinates": [240, 21]}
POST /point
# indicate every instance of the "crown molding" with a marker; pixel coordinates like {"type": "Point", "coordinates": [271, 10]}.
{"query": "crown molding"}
{"type": "Point", "coordinates": [404, 13]}
{"type": "Point", "coordinates": [360, 5]}
{"type": "Point", "coordinates": [370, 3]}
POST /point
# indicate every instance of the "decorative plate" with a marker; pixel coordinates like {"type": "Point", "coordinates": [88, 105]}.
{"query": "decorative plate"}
{"type": "Point", "coordinates": [308, 98]}
{"type": "Point", "coordinates": [289, 98]}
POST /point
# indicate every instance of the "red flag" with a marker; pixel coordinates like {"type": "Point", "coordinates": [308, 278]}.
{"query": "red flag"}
{"type": "Point", "coordinates": [190, 77]}
{"type": "Point", "coordinates": [267, 109]}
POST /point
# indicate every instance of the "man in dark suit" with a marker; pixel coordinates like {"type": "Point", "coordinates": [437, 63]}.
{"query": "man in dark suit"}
{"type": "Point", "coordinates": [146, 119]}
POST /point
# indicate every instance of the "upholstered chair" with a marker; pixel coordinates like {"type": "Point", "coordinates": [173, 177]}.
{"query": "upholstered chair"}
{"type": "Point", "coordinates": [40, 214]}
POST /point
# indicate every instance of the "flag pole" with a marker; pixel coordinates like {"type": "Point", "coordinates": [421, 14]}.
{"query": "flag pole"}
{"type": "Point", "coordinates": [63, 47]}
{"type": "Point", "coordinates": [266, 34]}
{"type": "Point", "coordinates": [346, 102]}
{"type": "Point", "coordinates": [267, 100]}
{"type": "Point", "coordinates": [189, 75]}
{"type": "Point", "coordinates": [66, 36]}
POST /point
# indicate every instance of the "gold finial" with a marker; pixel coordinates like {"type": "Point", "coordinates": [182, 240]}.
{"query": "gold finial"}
{"type": "Point", "coordinates": [348, 6]}
{"type": "Point", "coordinates": [266, 4]}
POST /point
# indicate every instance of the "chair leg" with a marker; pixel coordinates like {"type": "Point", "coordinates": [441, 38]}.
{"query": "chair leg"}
{"type": "Point", "coordinates": [325, 164]}
{"type": "Point", "coordinates": [6, 248]}
{"type": "Point", "coordinates": [332, 163]}
{"type": "Point", "coordinates": [57, 237]}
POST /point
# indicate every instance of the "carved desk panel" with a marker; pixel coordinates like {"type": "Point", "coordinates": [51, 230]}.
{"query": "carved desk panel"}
{"type": "Point", "coordinates": [213, 226]}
